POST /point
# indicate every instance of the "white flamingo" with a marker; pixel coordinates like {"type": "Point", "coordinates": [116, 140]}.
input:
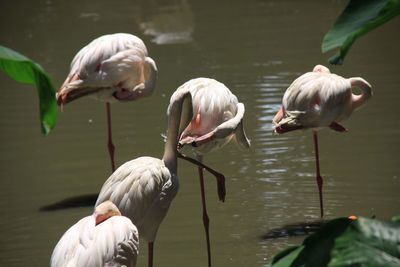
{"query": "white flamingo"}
{"type": "Point", "coordinates": [144, 188]}
{"type": "Point", "coordinates": [320, 99]}
{"type": "Point", "coordinates": [113, 67]}
{"type": "Point", "coordinates": [104, 239]}
{"type": "Point", "coordinates": [214, 119]}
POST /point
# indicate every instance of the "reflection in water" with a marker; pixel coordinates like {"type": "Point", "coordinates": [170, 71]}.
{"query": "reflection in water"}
{"type": "Point", "coordinates": [268, 100]}
{"type": "Point", "coordinates": [171, 23]}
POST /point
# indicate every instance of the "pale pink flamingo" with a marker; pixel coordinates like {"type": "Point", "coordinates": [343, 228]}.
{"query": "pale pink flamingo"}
{"type": "Point", "coordinates": [104, 239]}
{"type": "Point", "coordinates": [144, 188]}
{"type": "Point", "coordinates": [215, 118]}
{"type": "Point", "coordinates": [113, 67]}
{"type": "Point", "coordinates": [320, 99]}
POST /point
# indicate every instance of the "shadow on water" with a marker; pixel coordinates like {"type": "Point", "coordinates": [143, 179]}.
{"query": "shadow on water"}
{"type": "Point", "coordinates": [292, 230]}
{"type": "Point", "coordinates": [72, 202]}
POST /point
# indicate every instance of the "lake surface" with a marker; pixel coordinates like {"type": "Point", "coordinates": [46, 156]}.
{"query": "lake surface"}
{"type": "Point", "coordinates": [257, 48]}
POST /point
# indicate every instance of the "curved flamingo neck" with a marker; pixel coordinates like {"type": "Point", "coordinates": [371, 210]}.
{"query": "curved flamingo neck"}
{"type": "Point", "coordinates": [174, 118]}
{"type": "Point", "coordinates": [366, 92]}
{"type": "Point", "coordinates": [150, 73]}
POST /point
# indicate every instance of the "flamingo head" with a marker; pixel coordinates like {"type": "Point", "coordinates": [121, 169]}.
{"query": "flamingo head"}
{"type": "Point", "coordinates": [73, 88]}
{"type": "Point", "coordinates": [321, 69]}
{"type": "Point", "coordinates": [105, 211]}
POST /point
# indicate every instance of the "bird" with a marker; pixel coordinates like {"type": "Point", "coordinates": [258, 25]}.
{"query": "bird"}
{"type": "Point", "coordinates": [316, 100]}
{"type": "Point", "coordinates": [111, 68]}
{"type": "Point", "coordinates": [144, 188]}
{"type": "Point", "coordinates": [215, 118]}
{"type": "Point", "coordinates": [103, 239]}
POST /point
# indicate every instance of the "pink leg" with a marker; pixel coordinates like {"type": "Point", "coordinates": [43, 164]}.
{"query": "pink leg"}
{"type": "Point", "coordinates": [150, 254]}
{"type": "Point", "coordinates": [318, 177]}
{"type": "Point", "coordinates": [219, 176]}
{"type": "Point", "coordinates": [206, 221]}
{"type": "Point", "coordinates": [110, 145]}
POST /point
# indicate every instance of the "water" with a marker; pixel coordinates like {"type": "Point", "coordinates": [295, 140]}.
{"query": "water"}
{"type": "Point", "coordinates": [256, 48]}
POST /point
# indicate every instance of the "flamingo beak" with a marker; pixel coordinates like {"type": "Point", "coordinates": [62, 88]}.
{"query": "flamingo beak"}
{"type": "Point", "coordinates": [99, 218]}
{"type": "Point", "coordinates": [60, 101]}
{"type": "Point", "coordinates": [66, 96]}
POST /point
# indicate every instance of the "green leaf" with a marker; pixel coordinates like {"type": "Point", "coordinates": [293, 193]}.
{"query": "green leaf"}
{"type": "Point", "coordinates": [368, 242]}
{"type": "Point", "coordinates": [343, 242]}
{"type": "Point", "coordinates": [315, 249]}
{"type": "Point", "coordinates": [24, 70]}
{"type": "Point", "coordinates": [396, 219]}
{"type": "Point", "coordinates": [286, 257]}
{"type": "Point", "coordinates": [358, 18]}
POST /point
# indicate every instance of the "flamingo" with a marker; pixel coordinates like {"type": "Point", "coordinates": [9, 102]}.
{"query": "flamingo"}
{"type": "Point", "coordinates": [320, 99]}
{"type": "Point", "coordinates": [111, 68]}
{"type": "Point", "coordinates": [144, 188]}
{"type": "Point", "coordinates": [216, 118]}
{"type": "Point", "coordinates": [104, 239]}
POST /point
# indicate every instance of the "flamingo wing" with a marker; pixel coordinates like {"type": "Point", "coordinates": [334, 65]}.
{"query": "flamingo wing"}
{"type": "Point", "coordinates": [111, 243]}
{"type": "Point", "coordinates": [123, 69]}
{"type": "Point", "coordinates": [226, 129]}
{"type": "Point", "coordinates": [102, 48]}
{"type": "Point", "coordinates": [135, 188]}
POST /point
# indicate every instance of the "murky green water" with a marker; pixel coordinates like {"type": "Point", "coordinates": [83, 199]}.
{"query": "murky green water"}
{"type": "Point", "coordinates": [256, 48]}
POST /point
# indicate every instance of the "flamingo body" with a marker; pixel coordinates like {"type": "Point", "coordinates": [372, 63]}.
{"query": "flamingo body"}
{"type": "Point", "coordinates": [113, 67]}
{"type": "Point", "coordinates": [217, 116]}
{"type": "Point", "coordinates": [113, 242]}
{"type": "Point", "coordinates": [143, 189]}
{"type": "Point", "coordinates": [319, 99]}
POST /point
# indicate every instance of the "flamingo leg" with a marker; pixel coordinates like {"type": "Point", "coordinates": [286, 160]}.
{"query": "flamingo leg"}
{"type": "Point", "coordinates": [221, 193]}
{"type": "Point", "coordinates": [110, 145]}
{"type": "Point", "coordinates": [219, 176]}
{"type": "Point", "coordinates": [150, 253]}
{"type": "Point", "coordinates": [318, 175]}
{"type": "Point", "coordinates": [206, 220]}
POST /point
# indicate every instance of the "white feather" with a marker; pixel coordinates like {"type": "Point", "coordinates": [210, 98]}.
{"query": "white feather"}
{"type": "Point", "coordinates": [113, 242]}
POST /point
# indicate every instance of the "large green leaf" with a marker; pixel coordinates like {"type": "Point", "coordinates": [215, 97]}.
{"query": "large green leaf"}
{"type": "Point", "coordinates": [368, 242]}
{"type": "Point", "coordinates": [24, 70]}
{"type": "Point", "coordinates": [343, 242]}
{"type": "Point", "coordinates": [358, 18]}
